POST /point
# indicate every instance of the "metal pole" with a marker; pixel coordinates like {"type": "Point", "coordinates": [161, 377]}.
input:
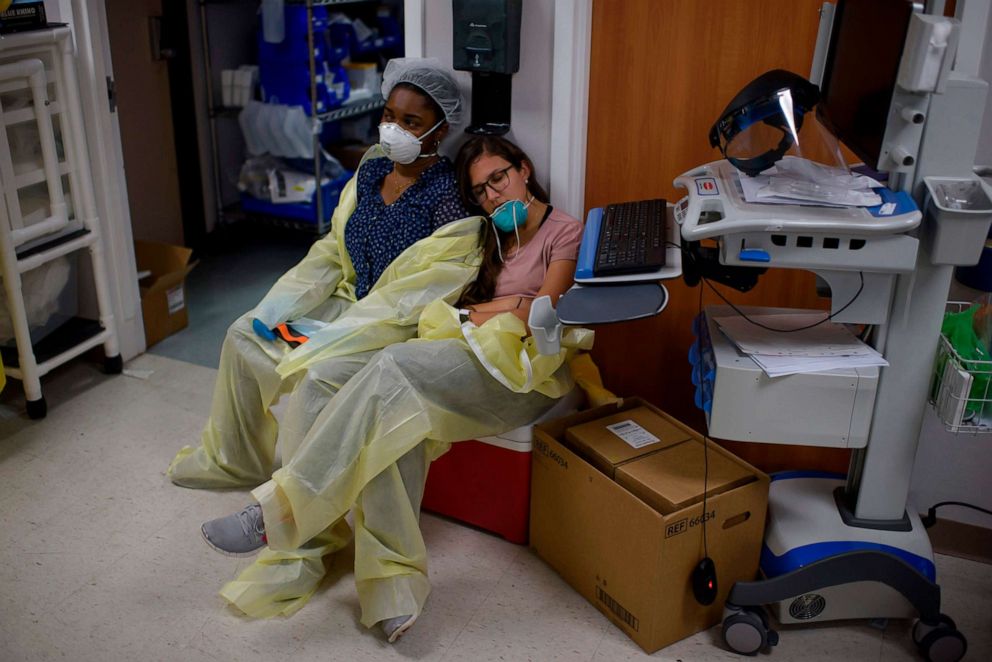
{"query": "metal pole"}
{"type": "Point", "coordinates": [214, 148]}
{"type": "Point", "coordinates": [316, 122]}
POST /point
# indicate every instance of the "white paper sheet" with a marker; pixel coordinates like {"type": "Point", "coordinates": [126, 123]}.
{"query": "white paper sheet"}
{"type": "Point", "coordinates": [827, 339]}
{"type": "Point", "coordinates": [826, 346]}
{"type": "Point", "coordinates": [780, 366]}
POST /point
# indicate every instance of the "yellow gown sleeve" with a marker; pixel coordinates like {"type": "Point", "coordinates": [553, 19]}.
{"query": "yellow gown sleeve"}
{"type": "Point", "coordinates": [436, 267]}
{"type": "Point", "coordinates": [506, 351]}
{"type": "Point", "coordinates": [325, 271]}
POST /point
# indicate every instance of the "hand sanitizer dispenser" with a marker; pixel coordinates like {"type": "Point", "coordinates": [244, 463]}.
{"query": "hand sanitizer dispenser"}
{"type": "Point", "coordinates": [487, 43]}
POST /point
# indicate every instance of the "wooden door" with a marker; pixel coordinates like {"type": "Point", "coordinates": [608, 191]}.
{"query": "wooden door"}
{"type": "Point", "coordinates": [661, 71]}
{"type": "Point", "coordinates": [145, 110]}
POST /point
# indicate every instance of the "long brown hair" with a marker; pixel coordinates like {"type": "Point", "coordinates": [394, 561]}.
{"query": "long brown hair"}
{"type": "Point", "coordinates": [484, 287]}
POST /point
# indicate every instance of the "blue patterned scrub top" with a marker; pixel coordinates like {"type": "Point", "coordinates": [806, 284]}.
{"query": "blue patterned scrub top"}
{"type": "Point", "coordinates": [377, 233]}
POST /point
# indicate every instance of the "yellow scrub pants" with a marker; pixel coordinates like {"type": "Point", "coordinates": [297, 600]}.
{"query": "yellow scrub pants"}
{"type": "Point", "coordinates": [358, 434]}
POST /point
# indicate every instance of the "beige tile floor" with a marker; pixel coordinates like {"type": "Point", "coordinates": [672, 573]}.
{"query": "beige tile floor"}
{"type": "Point", "coordinates": [100, 559]}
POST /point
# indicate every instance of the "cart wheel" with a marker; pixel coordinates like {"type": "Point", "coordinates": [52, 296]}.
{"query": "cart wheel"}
{"type": "Point", "coordinates": [943, 644]}
{"type": "Point", "coordinates": [921, 629]}
{"type": "Point", "coordinates": [113, 365]}
{"type": "Point", "coordinates": [760, 611]}
{"type": "Point", "coordinates": [745, 633]}
{"type": "Point", "coordinates": [37, 408]}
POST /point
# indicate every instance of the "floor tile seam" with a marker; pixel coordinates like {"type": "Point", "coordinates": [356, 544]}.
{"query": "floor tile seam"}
{"type": "Point", "coordinates": [111, 565]}
{"type": "Point", "coordinates": [153, 352]}
{"type": "Point", "coordinates": [90, 579]}
{"type": "Point", "coordinates": [599, 644]}
{"type": "Point", "coordinates": [881, 643]}
{"type": "Point", "coordinates": [199, 364]}
{"type": "Point", "coordinates": [482, 604]}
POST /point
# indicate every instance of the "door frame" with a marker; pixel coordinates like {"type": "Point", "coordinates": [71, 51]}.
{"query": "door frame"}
{"type": "Point", "coordinates": [103, 139]}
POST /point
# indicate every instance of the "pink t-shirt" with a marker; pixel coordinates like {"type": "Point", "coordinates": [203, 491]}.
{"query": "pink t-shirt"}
{"type": "Point", "coordinates": [558, 238]}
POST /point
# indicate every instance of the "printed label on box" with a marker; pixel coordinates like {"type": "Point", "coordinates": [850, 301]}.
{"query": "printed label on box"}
{"type": "Point", "coordinates": [176, 300]}
{"type": "Point", "coordinates": [632, 433]}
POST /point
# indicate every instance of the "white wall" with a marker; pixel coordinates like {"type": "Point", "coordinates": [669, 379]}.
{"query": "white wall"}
{"type": "Point", "coordinates": [531, 111]}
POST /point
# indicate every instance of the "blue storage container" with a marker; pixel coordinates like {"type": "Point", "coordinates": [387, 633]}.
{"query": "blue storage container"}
{"type": "Point", "coordinates": [290, 85]}
{"type": "Point", "coordinates": [294, 48]}
{"type": "Point", "coordinates": [344, 33]}
{"type": "Point", "coordinates": [284, 68]}
{"type": "Point", "coordinates": [306, 212]}
{"type": "Point", "coordinates": [390, 40]}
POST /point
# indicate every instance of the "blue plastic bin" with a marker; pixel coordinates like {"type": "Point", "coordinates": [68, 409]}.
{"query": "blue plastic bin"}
{"type": "Point", "coordinates": [306, 212]}
{"type": "Point", "coordinates": [293, 49]}
{"type": "Point", "coordinates": [290, 85]}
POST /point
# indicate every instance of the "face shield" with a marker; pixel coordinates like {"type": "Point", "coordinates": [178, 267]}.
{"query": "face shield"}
{"type": "Point", "coordinates": [764, 122]}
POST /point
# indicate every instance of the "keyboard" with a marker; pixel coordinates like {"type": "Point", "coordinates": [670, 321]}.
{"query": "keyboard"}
{"type": "Point", "coordinates": [632, 238]}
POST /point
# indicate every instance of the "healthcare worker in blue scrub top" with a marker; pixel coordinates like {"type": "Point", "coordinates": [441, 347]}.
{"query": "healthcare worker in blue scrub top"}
{"type": "Point", "coordinates": [400, 238]}
{"type": "Point", "coordinates": [395, 244]}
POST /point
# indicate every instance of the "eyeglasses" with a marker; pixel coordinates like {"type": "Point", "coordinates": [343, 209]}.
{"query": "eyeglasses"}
{"type": "Point", "coordinates": [498, 181]}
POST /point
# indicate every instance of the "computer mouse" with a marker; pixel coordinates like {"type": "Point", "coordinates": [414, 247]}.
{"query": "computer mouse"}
{"type": "Point", "coordinates": [704, 581]}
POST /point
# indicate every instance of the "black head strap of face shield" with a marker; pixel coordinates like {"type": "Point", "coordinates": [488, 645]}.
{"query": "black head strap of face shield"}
{"type": "Point", "coordinates": [804, 94]}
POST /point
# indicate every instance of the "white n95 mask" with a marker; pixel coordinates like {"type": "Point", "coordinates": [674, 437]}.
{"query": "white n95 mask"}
{"type": "Point", "coordinates": [400, 145]}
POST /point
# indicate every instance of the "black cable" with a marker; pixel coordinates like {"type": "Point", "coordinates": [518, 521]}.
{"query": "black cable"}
{"type": "Point", "coordinates": [801, 328]}
{"type": "Point", "coordinates": [931, 517]}
{"type": "Point", "coordinates": [737, 310]}
{"type": "Point", "coordinates": [706, 463]}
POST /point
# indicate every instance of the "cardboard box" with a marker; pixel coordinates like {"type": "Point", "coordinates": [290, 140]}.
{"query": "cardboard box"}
{"type": "Point", "coordinates": [607, 449]}
{"type": "Point", "coordinates": [672, 478]}
{"type": "Point", "coordinates": [163, 290]}
{"type": "Point", "coordinates": [626, 558]}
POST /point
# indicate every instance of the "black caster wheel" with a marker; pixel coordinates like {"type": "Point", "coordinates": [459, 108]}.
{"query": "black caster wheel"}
{"type": "Point", "coordinates": [920, 629]}
{"type": "Point", "coordinates": [113, 365]}
{"type": "Point", "coordinates": [747, 632]}
{"type": "Point", "coordinates": [37, 408]}
{"type": "Point", "coordinates": [940, 643]}
{"type": "Point", "coordinates": [944, 645]}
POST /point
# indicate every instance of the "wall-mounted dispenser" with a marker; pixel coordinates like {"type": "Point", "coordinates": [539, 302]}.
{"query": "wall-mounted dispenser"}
{"type": "Point", "coordinates": [487, 43]}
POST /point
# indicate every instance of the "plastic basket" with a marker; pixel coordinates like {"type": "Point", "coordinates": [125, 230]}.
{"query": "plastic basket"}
{"type": "Point", "coordinates": [960, 388]}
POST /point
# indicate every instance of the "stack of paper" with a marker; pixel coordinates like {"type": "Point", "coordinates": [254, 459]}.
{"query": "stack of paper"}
{"type": "Point", "coordinates": [796, 181]}
{"type": "Point", "coordinates": [827, 346]}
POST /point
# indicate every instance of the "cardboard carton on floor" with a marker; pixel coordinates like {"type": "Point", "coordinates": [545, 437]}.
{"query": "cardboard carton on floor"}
{"type": "Point", "coordinates": [672, 478]}
{"type": "Point", "coordinates": [628, 559]}
{"type": "Point", "coordinates": [163, 290]}
{"type": "Point", "coordinates": [610, 442]}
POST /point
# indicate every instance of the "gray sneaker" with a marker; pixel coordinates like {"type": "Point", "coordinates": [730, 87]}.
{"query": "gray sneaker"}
{"type": "Point", "coordinates": [239, 534]}
{"type": "Point", "coordinates": [394, 628]}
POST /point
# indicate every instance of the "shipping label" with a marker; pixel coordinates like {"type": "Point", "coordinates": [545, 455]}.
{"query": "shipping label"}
{"type": "Point", "coordinates": [632, 433]}
{"type": "Point", "coordinates": [176, 300]}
